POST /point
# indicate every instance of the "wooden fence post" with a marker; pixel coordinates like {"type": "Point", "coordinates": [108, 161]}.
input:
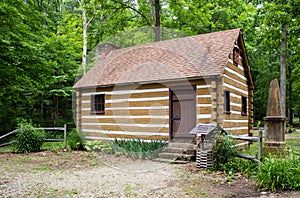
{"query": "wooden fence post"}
{"type": "Point", "coordinates": [65, 136]}
{"type": "Point", "coordinates": [259, 142]}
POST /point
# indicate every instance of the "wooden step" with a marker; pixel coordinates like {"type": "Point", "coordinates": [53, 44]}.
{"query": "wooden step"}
{"type": "Point", "coordinates": [175, 156]}
{"type": "Point", "coordinates": [182, 145]}
{"type": "Point", "coordinates": [179, 150]}
{"type": "Point", "coordinates": [170, 161]}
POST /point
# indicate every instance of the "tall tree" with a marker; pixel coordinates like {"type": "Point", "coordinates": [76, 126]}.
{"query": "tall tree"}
{"type": "Point", "coordinates": [273, 41]}
{"type": "Point", "coordinates": [277, 18]}
{"type": "Point", "coordinates": [149, 13]}
{"type": "Point", "coordinates": [21, 37]}
{"type": "Point", "coordinates": [283, 68]}
{"type": "Point", "coordinates": [157, 19]}
{"type": "Point", "coordinates": [39, 61]}
{"type": "Point", "coordinates": [85, 24]}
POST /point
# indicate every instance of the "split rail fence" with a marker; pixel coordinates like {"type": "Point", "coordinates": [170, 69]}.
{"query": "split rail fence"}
{"type": "Point", "coordinates": [64, 129]}
{"type": "Point", "coordinates": [257, 139]}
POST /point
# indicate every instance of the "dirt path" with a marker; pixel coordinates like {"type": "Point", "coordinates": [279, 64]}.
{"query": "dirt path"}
{"type": "Point", "coordinates": [83, 174]}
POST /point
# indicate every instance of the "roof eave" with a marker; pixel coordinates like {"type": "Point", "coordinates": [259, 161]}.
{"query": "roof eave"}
{"type": "Point", "coordinates": [165, 81]}
{"type": "Point", "coordinates": [250, 80]}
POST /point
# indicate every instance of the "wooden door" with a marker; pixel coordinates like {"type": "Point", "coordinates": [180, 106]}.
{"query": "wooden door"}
{"type": "Point", "coordinates": [182, 111]}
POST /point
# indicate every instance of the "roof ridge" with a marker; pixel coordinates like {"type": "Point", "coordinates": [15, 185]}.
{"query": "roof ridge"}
{"type": "Point", "coordinates": [180, 58]}
{"type": "Point", "coordinates": [175, 39]}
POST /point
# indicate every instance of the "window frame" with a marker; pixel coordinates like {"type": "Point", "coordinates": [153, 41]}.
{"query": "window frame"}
{"type": "Point", "coordinates": [244, 111]}
{"type": "Point", "coordinates": [227, 102]}
{"type": "Point", "coordinates": [98, 107]}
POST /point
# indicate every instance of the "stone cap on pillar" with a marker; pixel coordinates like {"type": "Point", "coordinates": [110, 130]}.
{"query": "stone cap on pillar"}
{"type": "Point", "coordinates": [275, 118]}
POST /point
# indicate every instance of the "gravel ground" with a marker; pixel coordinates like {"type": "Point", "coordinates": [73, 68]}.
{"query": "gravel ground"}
{"type": "Point", "coordinates": [84, 174]}
{"type": "Point", "coordinates": [29, 176]}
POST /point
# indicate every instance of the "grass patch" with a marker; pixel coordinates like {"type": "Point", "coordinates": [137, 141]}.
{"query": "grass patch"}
{"type": "Point", "coordinates": [294, 134]}
{"type": "Point", "coordinates": [42, 168]}
{"type": "Point", "coordinates": [6, 149]}
{"type": "Point", "coordinates": [71, 192]}
{"type": "Point", "coordinates": [293, 144]}
{"type": "Point", "coordinates": [53, 146]}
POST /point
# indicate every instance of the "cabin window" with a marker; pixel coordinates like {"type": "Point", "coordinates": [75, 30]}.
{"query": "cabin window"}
{"type": "Point", "coordinates": [227, 102]}
{"type": "Point", "coordinates": [244, 105]}
{"type": "Point", "coordinates": [236, 56]}
{"type": "Point", "coordinates": [98, 103]}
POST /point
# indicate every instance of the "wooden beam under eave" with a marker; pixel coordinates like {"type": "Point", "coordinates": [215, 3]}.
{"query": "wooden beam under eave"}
{"type": "Point", "coordinates": [245, 57]}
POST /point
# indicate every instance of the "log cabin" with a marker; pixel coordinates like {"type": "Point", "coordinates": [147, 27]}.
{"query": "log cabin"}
{"type": "Point", "coordinates": [160, 91]}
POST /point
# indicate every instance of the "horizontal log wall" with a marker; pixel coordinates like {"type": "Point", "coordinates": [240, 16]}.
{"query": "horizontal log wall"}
{"type": "Point", "coordinates": [138, 112]}
{"type": "Point", "coordinates": [130, 112]}
{"type": "Point", "coordinates": [235, 81]}
{"type": "Point", "coordinates": [203, 101]}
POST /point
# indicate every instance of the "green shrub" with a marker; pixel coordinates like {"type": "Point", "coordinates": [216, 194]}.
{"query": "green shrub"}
{"type": "Point", "coordinates": [279, 173]}
{"type": "Point", "coordinates": [28, 138]}
{"type": "Point", "coordinates": [223, 154]}
{"type": "Point", "coordinates": [138, 148]}
{"type": "Point", "coordinates": [76, 140]}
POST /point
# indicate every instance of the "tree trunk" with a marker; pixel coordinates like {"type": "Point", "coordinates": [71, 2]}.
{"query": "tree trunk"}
{"type": "Point", "coordinates": [290, 99]}
{"type": "Point", "coordinates": [85, 25]}
{"type": "Point", "coordinates": [283, 69]}
{"type": "Point", "coordinates": [157, 20]}
{"type": "Point", "coordinates": [84, 47]}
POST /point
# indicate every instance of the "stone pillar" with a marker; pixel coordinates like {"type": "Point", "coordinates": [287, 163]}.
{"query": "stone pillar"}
{"type": "Point", "coordinates": [274, 122]}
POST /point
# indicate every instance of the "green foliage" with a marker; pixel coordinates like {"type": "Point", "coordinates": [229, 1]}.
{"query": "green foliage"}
{"type": "Point", "coordinates": [28, 138]}
{"type": "Point", "coordinates": [246, 167]}
{"type": "Point", "coordinates": [76, 140]}
{"type": "Point", "coordinates": [263, 42]}
{"type": "Point", "coordinates": [53, 146]}
{"type": "Point", "coordinates": [279, 173]}
{"type": "Point", "coordinates": [290, 128]}
{"type": "Point", "coordinates": [137, 148]}
{"type": "Point", "coordinates": [98, 146]}
{"type": "Point", "coordinates": [223, 153]}
{"type": "Point", "coordinates": [42, 40]}
{"type": "Point", "coordinates": [39, 40]}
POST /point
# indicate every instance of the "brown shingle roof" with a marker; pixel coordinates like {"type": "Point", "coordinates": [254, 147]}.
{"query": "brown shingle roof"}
{"type": "Point", "coordinates": [188, 57]}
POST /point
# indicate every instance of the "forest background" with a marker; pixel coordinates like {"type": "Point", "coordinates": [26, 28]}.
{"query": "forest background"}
{"type": "Point", "coordinates": [42, 45]}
